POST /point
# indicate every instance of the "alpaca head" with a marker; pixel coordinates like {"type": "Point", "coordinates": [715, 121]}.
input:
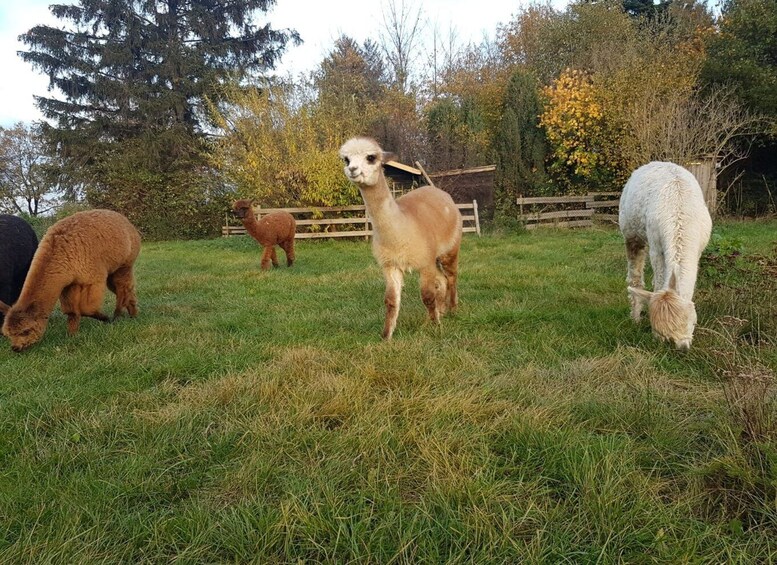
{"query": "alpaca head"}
{"type": "Point", "coordinates": [242, 208]}
{"type": "Point", "coordinates": [672, 317]}
{"type": "Point", "coordinates": [23, 326]}
{"type": "Point", "coordinates": [363, 160]}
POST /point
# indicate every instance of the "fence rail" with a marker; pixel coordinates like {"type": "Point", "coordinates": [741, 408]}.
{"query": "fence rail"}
{"type": "Point", "coordinates": [568, 211]}
{"type": "Point", "coordinates": [324, 222]}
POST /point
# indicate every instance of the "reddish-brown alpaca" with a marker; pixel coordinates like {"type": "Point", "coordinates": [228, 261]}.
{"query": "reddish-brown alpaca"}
{"type": "Point", "coordinates": [277, 228]}
{"type": "Point", "coordinates": [77, 257]}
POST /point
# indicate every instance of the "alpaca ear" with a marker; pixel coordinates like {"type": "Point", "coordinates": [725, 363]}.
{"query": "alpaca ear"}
{"type": "Point", "coordinates": [4, 308]}
{"type": "Point", "coordinates": [641, 294]}
{"type": "Point", "coordinates": [387, 156]}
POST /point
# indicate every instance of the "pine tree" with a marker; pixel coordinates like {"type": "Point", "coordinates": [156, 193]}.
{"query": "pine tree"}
{"type": "Point", "coordinates": [133, 77]}
{"type": "Point", "coordinates": [520, 145]}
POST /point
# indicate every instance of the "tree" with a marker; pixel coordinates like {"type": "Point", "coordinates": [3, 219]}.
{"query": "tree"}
{"type": "Point", "coordinates": [401, 34]}
{"type": "Point", "coordinates": [583, 137]}
{"type": "Point", "coordinates": [521, 146]}
{"type": "Point", "coordinates": [277, 149]}
{"type": "Point", "coordinates": [351, 82]}
{"type": "Point", "coordinates": [28, 184]}
{"type": "Point", "coordinates": [462, 120]}
{"type": "Point", "coordinates": [645, 8]}
{"type": "Point", "coordinates": [133, 76]}
{"type": "Point", "coordinates": [743, 53]}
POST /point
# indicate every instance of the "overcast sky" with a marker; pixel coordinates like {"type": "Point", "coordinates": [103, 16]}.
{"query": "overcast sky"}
{"type": "Point", "coordinates": [319, 22]}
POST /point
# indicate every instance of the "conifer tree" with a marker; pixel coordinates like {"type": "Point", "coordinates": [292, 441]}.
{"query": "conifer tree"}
{"type": "Point", "coordinates": [521, 147]}
{"type": "Point", "coordinates": [129, 79]}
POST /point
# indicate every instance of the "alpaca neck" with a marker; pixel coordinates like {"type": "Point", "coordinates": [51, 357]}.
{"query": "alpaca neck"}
{"type": "Point", "coordinates": [686, 271]}
{"type": "Point", "coordinates": [381, 206]}
{"type": "Point", "coordinates": [43, 285]}
{"type": "Point", "coordinates": [251, 225]}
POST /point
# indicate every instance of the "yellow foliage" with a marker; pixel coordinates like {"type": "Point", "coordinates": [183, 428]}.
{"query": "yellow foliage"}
{"type": "Point", "coordinates": [281, 152]}
{"type": "Point", "coordinates": [582, 139]}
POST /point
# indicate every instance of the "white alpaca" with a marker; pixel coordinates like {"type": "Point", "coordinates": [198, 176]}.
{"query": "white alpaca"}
{"type": "Point", "coordinates": [662, 207]}
{"type": "Point", "coordinates": [421, 230]}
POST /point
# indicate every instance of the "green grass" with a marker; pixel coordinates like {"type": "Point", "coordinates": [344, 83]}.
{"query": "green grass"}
{"type": "Point", "coordinates": [250, 416]}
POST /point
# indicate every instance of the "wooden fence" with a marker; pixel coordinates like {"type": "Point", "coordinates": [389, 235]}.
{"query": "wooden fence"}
{"type": "Point", "coordinates": [339, 221]}
{"type": "Point", "coordinates": [568, 211]}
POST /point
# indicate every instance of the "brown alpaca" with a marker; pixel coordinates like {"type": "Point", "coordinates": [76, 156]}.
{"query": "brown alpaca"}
{"type": "Point", "coordinates": [77, 257]}
{"type": "Point", "coordinates": [277, 228]}
{"type": "Point", "coordinates": [421, 230]}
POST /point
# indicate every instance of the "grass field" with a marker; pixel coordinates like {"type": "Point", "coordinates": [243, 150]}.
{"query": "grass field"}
{"type": "Point", "coordinates": [257, 417]}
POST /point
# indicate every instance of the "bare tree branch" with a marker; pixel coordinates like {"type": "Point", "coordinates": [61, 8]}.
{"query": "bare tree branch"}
{"type": "Point", "coordinates": [402, 28]}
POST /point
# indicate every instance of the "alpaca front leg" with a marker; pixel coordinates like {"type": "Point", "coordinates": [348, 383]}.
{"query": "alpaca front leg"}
{"type": "Point", "coordinates": [635, 277]}
{"type": "Point", "coordinates": [69, 302]}
{"type": "Point", "coordinates": [274, 256]}
{"type": "Point", "coordinates": [92, 302]}
{"type": "Point", "coordinates": [394, 279]}
{"type": "Point", "coordinates": [267, 257]}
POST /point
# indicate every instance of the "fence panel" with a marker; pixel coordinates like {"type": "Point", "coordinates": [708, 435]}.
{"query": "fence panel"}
{"type": "Point", "coordinates": [568, 211]}
{"type": "Point", "coordinates": [324, 222]}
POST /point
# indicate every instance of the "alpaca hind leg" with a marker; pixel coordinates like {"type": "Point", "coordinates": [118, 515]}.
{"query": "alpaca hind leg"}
{"type": "Point", "coordinates": [122, 284]}
{"type": "Point", "coordinates": [449, 265]}
{"type": "Point", "coordinates": [635, 276]}
{"type": "Point", "coordinates": [288, 248]}
{"type": "Point", "coordinates": [394, 279]}
{"type": "Point", "coordinates": [69, 302]}
{"type": "Point", "coordinates": [433, 288]}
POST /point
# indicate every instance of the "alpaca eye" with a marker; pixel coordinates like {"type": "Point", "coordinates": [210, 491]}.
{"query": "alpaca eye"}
{"type": "Point", "coordinates": [370, 159]}
{"type": "Point", "coordinates": [346, 160]}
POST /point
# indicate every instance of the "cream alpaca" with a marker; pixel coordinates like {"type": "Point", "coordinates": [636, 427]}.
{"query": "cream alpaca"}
{"type": "Point", "coordinates": [662, 207]}
{"type": "Point", "coordinates": [421, 230]}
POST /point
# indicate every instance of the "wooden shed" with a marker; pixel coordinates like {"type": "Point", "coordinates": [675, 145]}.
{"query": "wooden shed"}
{"type": "Point", "coordinates": [402, 177]}
{"type": "Point", "coordinates": [466, 185]}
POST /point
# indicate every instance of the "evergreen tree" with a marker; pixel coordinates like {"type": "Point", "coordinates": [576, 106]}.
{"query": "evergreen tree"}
{"type": "Point", "coordinates": [352, 74]}
{"type": "Point", "coordinates": [744, 53]}
{"type": "Point", "coordinates": [645, 8]}
{"type": "Point", "coordinates": [520, 145]}
{"type": "Point", "coordinates": [133, 76]}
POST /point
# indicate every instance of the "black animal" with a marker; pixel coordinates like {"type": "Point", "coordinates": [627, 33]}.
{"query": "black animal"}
{"type": "Point", "coordinates": [18, 243]}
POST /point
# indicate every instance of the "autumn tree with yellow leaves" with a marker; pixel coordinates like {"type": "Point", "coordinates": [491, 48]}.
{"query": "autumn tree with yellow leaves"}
{"type": "Point", "coordinates": [584, 140]}
{"type": "Point", "coordinates": [276, 149]}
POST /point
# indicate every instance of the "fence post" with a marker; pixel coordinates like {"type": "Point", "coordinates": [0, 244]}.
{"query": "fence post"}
{"type": "Point", "coordinates": [477, 217]}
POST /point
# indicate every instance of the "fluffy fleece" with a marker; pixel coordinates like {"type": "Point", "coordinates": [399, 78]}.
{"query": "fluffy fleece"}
{"type": "Point", "coordinates": [277, 228]}
{"type": "Point", "coordinates": [75, 260]}
{"type": "Point", "coordinates": [420, 230]}
{"type": "Point", "coordinates": [662, 208]}
{"type": "Point", "coordinates": [17, 247]}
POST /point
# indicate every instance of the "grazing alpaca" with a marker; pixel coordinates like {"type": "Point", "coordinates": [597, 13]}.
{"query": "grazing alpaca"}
{"type": "Point", "coordinates": [277, 228]}
{"type": "Point", "coordinates": [662, 207]}
{"type": "Point", "coordinates": [75, 260]}
{"type": "Point", "coordinates": [421, 230]}
{"type": "Point", "coordinates": [17, 246]}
